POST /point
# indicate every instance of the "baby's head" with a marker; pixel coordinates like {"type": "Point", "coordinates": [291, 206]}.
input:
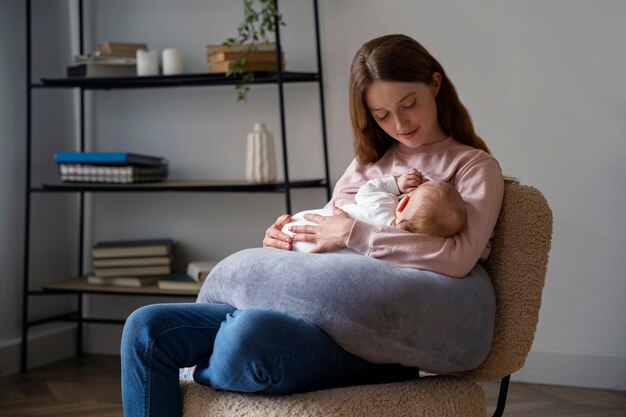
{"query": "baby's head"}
{"type": "Point", "coordinates": [434, 208]}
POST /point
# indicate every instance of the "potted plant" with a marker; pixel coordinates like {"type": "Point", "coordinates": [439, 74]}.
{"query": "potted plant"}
{"type": "Point", "coordinates": [261, 18]}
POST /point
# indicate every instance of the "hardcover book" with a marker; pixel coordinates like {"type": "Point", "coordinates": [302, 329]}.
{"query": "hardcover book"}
{"type": "Point", "coordinates": [178, 282]}
{"type": "Point", "coordinates": [141, 261]}
{"type": "Point", "coordinates": [259, 47]}
{"type": "Point", "coordinates": [226, 66]}
{"type": "Point", "coordinates": [114, 174]}
{"type": "Point", "coordinates": [104, 59]}
{"type": "Point", "coordinates": [198, 270]}
{"type": "Point", "coordinates": [132, 248]}
{"type": "Point", "coordinates": [108, 158]}
{"type": "Point", "coordinates": [133, 271]}
{"type": "Point", "coordinates": [122, 281]}
{"type": "Point", "coordinates": [261, 56]}
{"type": "Point", "coordinates": [120, 48]}
{"type": "Point", "coordinates": [102, 69]}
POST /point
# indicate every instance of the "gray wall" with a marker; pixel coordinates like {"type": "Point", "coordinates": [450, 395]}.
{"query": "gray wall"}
{"type": "Point", "coordinates": [12, 149]}
{"type": "Point", "coordinates": [545, 86]}
{"type": "Point", "coordinates": [543, 82]}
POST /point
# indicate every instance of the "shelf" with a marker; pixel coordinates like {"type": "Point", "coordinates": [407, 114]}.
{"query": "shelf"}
{"type": "Point", "coordinates": [182, 186]}
{"type": "Point", "coordinates": [184, 80]}
{"type": "Point", "coordinates": [80, 286]}
{"type": "Point", "coordinates": [70, 286]}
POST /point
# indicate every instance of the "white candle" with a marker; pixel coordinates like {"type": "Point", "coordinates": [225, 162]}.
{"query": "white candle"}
{"type": "Point", "coordinates": [172, 62]}
{"type": "Point", "coordinates": [147, 62]}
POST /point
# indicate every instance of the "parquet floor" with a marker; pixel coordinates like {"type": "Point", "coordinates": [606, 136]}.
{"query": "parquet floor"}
{"type": "Point", "coordinates": [86, 387]}
{"type": "Point", "coordinates": [531, 400]}
{"type": "Point", "coordinates": [89, 386]}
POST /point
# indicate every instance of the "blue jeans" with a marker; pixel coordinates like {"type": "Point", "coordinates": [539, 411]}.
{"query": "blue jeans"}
{"type": "Point", "coordinates": [237, 350]}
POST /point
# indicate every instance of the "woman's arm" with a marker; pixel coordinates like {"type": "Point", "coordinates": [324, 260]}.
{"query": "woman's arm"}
{"type": "Point", "coordinates": [349, 182]}
{"type": "Point", "coordinates": [481, 186]}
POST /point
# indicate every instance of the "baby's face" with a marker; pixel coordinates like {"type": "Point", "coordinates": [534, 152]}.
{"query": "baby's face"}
{"type": "Point", "coordinates": [409, 204]}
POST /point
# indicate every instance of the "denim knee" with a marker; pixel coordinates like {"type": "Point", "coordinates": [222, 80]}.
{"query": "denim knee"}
{"type": "Point", "coordinates": [244, 334]}
{"type": "Point", "coordinates": [243, 354]}
{"type": "Point", "coordinates": [143, 320]}
{"type": "Point", "coordinates": [138, 326]}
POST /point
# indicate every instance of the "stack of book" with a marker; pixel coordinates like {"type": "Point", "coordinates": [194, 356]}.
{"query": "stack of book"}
{"type": "Point", "coordinates": [224, 59]}
{"type": "Point", "coordinates": [110, 167]}
{"type": "Point", "coordinates": [131, 263]}
{"type": "Point", "coordinates": [112, 59]}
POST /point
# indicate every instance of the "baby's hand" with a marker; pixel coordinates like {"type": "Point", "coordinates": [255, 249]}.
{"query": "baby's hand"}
{"type": "Point", "coordinates": [409, 180]}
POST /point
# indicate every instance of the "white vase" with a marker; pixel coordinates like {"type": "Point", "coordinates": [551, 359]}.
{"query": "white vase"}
{"type": "Point", "coordinates": [260, 158]}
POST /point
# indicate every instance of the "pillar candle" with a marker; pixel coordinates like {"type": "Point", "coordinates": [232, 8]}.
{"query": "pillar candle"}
{"type": "Point", "coordinates": [172, 62]}
{"type": "Point", "coordinates": [147, 62]}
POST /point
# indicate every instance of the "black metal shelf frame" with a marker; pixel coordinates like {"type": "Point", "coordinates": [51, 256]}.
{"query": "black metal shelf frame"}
{"type": "Point", "coordinates": [181, 186]}
{"type": "Point", "coordinates": [161, 81]}
{"type": "Point", "coordinates": [278, 78]}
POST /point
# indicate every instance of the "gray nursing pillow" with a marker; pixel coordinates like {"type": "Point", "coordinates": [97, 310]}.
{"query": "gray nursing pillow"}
{"type": "Point", "coordinates": [380, 312]}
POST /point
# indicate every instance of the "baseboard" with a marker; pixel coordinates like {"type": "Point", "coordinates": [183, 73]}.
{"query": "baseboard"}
{"type": "Point", "coordinates": [542, 367]}
{"type": "Point", "coordinates": [45, 345]}
{"type": "Point", "coordinates": [574, 369]}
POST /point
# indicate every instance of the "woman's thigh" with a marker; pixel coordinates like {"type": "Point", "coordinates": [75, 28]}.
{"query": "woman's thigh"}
{"type": "Point", "coordinates": [185, 331]}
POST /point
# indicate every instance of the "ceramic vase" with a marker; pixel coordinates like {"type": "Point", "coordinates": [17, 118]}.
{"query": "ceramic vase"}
{"type": "Point", "coordinates": [260, 158]}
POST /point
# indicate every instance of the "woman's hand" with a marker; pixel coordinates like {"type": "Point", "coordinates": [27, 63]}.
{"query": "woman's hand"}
{"type": "Point", "coordinates": [275, 238]}
{"type": "Point", "coordinates": [331, 232]}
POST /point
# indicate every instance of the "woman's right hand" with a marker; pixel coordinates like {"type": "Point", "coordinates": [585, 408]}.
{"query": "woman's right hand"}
{"type": "Point", "coordinates": [275, 238]}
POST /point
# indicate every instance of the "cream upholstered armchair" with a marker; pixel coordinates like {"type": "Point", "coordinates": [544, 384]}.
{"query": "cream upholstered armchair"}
{"type": "Point", "coordinates": [517, 267]}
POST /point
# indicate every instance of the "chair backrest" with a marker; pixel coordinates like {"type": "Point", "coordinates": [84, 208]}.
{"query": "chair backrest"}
{"type": "Point", "coordinates": [517, 266]}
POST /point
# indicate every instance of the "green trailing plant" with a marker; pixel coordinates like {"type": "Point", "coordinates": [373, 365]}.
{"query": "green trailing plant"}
{"type": "Point", "coordinates": [260, 19]}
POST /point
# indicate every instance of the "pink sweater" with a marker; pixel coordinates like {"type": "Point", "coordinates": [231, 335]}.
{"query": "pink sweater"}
{"type": "Point", "coordinates": [474, 173]}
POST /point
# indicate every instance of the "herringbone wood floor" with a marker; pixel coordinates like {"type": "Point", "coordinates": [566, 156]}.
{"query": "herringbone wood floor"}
{"type": "Point", "coordinates": [89, 386]}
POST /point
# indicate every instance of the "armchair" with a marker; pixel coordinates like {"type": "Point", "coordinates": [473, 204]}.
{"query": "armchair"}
{"type": "Point", "coordinates": [517, 266]}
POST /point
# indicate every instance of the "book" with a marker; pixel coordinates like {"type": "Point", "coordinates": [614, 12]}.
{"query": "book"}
{"type": "Point", "coordinates": [104, 59]}
{"type": "Point", "coordinates": [259, 47]}
{"type": "Point", "coordinates": [133, 271]}
{"type": "Point", "coordinates": [132, 248]}
{"type": "Point", "coordinates": [120, 48]}
{"type": "Point", "coordinates": [198, 270]}
{"type": "Point", "coordinates": [141, 261]}
{"type": "Point", "coordinates": [260, 56]}
{"type": "Point", "coordinates": [178, 282]}
{"type": "Point", "coordinates": [226, 66]}
{"type": "Point", "coordinates": [102, 69]}
{"type": "Point", "coordinates": [123, 174]}
{"type": "Point", "coordinates": [122, 281]}
{"type": "Point", "coordinates": [108, 158]}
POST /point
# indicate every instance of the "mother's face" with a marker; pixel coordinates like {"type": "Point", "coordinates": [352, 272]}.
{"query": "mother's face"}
{"type": "Point", "coordinates": [406, 111]}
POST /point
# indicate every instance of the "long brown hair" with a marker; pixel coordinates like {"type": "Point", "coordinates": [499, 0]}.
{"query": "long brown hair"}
{"type": "Point", "coordinates": [401, 58]}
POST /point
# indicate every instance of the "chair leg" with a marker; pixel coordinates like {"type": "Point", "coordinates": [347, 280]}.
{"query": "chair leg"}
{"type": "Point", "coordinates": [504, 389]}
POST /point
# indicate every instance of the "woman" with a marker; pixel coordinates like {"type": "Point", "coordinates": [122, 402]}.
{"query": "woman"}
{"type": "Point", "coordinates": [405, 114]}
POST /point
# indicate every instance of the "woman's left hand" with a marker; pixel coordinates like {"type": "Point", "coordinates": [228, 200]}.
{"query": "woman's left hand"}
{"type": "Point", "coordinates": [330, 234]}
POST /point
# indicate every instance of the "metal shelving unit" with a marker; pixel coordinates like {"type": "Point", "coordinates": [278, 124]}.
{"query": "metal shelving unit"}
{"type": "Point", "coordinates": [75, 286]}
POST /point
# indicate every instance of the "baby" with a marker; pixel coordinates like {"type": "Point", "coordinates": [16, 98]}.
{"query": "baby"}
{"type": "Point", "coordinates": [427, 207]}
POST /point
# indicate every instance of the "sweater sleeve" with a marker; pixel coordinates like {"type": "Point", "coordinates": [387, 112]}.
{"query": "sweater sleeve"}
{"type": "Point", "coordinates": [481, 185]}
{"type": "Point", "coordinates": [347, 186]}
